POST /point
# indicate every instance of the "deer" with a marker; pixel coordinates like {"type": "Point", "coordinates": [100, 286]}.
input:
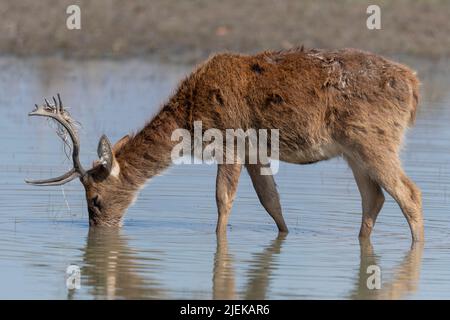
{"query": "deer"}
{"type": "Point", "coordinates": [343, 103]}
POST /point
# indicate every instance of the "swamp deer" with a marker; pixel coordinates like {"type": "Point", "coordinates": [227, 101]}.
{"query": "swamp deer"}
{"type": "Point", "coordinates": [325, 104]}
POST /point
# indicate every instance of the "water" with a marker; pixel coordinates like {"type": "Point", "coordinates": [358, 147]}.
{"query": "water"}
{"type": "Point", "coordinates": [167, 247]}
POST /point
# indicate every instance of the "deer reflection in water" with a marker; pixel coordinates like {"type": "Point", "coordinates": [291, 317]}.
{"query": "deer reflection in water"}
{"type": "Point", "coordinates": [111, 268]}
{"type": "Point", "coordinates": [258, 275]}
{"type": "Point", "coordinates": [403, 282]}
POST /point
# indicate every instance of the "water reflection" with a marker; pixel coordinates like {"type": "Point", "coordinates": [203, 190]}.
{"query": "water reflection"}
{"type": "Point", "coordinates": [224, 286]}
{"type": "Point", "coordinates": [111, 268]}
{"type": "Point", "coordinates": [404, 281]}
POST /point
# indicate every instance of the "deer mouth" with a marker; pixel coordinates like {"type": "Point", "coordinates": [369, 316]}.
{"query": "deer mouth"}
{"type": "Point", "coordinates": [96, 219]}
{"type": "Point", "coordinates": [93, 218]}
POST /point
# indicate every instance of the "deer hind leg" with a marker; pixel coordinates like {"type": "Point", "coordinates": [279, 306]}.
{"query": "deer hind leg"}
{"type": "Point", "coordinates": [409, 198]}
{"type": "Point", "coordinates": [268, 195]}
{"type": "Point", "coordinates": [371, 196]}
{"type": "Point", "coordinates": [384, 167]}
{"type": "Point", "coordinates": [226, 187]}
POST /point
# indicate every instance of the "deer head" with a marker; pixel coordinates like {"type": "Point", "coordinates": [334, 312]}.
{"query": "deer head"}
{"type": "Point", "coordinates": [107, 192]}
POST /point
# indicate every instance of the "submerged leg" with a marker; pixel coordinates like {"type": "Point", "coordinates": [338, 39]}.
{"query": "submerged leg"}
{"type": "Point", "coordinates": [226, 186]}
{"type": "Point", "coordinates": [384, 167]}
{"type": "Point", "coordinates": [268, 195]}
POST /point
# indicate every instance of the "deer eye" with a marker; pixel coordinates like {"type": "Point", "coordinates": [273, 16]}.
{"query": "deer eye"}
{"type": "Point", "coordinates": [96, 202]}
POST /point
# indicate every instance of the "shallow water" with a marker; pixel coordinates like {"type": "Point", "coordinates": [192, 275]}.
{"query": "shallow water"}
{"type": "Point", "coordinates": [167, 247]}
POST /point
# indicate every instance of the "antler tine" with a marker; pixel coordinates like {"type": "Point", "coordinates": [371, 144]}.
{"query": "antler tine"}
{"type": "Point", "coordinates": [47, 103]}
{"type": "Point", "coordinates": [65, 121]}
{"type": "Point", "coordinates": [59, 99]}
{"type": "Point", "coordinates": [57, 110]}
{"type": "Point", "coordinates": [61, 108]}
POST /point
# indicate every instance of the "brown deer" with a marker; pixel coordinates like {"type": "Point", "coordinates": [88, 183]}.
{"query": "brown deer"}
{"type": "Point", "coordinates": [325, 104]}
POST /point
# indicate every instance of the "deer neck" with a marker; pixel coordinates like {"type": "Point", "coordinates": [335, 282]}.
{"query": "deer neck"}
{"type": "Point", "coordinates": [148, 152]}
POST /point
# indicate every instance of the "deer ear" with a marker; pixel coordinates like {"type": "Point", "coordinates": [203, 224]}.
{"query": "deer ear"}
{"type": "Point", "coordinates": [105, 153]}
{"type": "Point", "coordinates": [119, 144]}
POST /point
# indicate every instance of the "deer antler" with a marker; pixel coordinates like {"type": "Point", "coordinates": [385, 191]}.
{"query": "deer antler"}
{"type": "Point", "coordinates": [57, 112]}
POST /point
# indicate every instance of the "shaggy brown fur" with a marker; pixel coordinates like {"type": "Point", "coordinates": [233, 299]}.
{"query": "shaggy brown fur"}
{"type": "Point", "coordinates": [325, 104]}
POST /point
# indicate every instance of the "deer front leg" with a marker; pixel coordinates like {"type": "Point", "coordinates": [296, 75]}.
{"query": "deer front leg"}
{"type": "Point", "coordinates": [226, 186]}
{"type": "Point", "coordinates": [268, 195]}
